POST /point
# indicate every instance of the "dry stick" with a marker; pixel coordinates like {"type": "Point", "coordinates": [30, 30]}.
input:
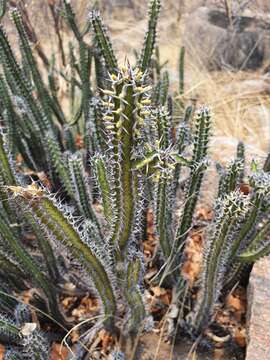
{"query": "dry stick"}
{"type": "Point", "coordinates": [64, 341]}
{"type": "Point", "coordinates": [251, 51]}
{"type": "Point", "coordinates": [180, 316]}
{"type": "Point", "coordinates": [161, 335]}
{"type": "Point", "coordinates": [55, 17]}
{"type": "Point", "coordinates": [266, 167]}
{"type": "Point", "coordinates": [194, 347]}
{"type": "Point", "coordinates": [248, 56]}
{"type": "Point", "coordinates": [228, 9]}
{"type": "Point", "coordinates": [180, 11]}
{"type": "Point", "coordinates": [135, 347]}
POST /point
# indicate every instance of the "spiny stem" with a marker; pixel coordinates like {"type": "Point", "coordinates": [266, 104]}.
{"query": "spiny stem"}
{"type": "Point", "coordinates": [182, 76]}
{"type": "Point", "coordinates": [103, 41]}
{"type": "Point", "coordinates": [217, 252]}
{"type": "Point", "coordinates": [150, 37]}
{"type": "Point", "coordinates": [199, 164]}
{"type": "Point", "coordinates": [53, 222]}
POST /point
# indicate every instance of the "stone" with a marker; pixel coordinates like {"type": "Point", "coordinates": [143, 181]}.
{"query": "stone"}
{"type": "Point", "coordinates": [254, 5]}
{"type": "Point", "coordinates": [127, 3]}
{"type": "Point", "coordinates": [116, 5]}
{"type": "Point", "coordinates": [258, 315]}
{"type": "Point", "coordinates": [209, 36]}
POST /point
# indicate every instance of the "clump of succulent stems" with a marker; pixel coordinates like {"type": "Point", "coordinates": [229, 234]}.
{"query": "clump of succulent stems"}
{"type": "Point", "coordinates": [129, 146]}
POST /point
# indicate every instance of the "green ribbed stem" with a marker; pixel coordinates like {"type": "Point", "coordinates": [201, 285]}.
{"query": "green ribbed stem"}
{"type": "Point", "coordinates": [29, 265]}
{"type": "Point", "coordinates": [104, 186]}
{"type": "Point", "coordinates": [53, 221]}
{"type": "Point", "coordinates": [248, 224]}
{"type": "Point", "coordinates": [46, 249]}
{"type": "Point", "coordinates": [150, 37]}
{"type": "Point", "coordinates": [42, 91]}
{"type": "Point", "coordinates": [104, 42]}
{"type": "Point", "coordinates": [81, 191]}
{"type": "Point", "coordinates": [5, 169]}
{"type": "Point", "coordinates": [182, 76]}
{"type": "Point", "coordinates": [58, 163]}
{"type": "Point", "coordinates": [126, 178]}
{"type": "Point", "coordinates": [162, 219]}
{"type": "Point", "coordinates": [134, 297]}
{"type": "Point", "coordinates": [8, 327]}
{"type": "Point", "coordinates": [199, 165]}
{"type": "Point", "coordinates": [259, 246]}
{"type": "Point", "coordinates": [124, 119]}
{"type": "Point", "coordinates": [217, 253]}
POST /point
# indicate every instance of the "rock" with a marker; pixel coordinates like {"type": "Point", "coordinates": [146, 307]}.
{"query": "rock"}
{"type": "Point", "coordinates": [223, 148]}
{"type": "Point", "coordinates": [262, 5]}
{"type": "Point", "coordinates": [115, 5]}
{"type": "Point", "coordinates": [127, 3]}
{"type": "Point", "coordinates": [254, 5]}
{"type": "Point", "coordinates": [258, 316]}
{"type": "Point", "coordinates": [209, 36]}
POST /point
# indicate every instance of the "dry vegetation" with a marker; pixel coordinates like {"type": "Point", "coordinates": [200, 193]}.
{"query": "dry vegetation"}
{"type": "Point", "coordinates": [240, 100]}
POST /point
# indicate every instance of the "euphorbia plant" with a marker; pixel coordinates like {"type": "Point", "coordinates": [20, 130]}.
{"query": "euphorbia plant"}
{"type": "Point", "coordinates": [130, 158]}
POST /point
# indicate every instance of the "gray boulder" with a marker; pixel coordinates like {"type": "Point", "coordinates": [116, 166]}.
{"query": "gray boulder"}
{"type": "Point", "coordinates": [243, 45]}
